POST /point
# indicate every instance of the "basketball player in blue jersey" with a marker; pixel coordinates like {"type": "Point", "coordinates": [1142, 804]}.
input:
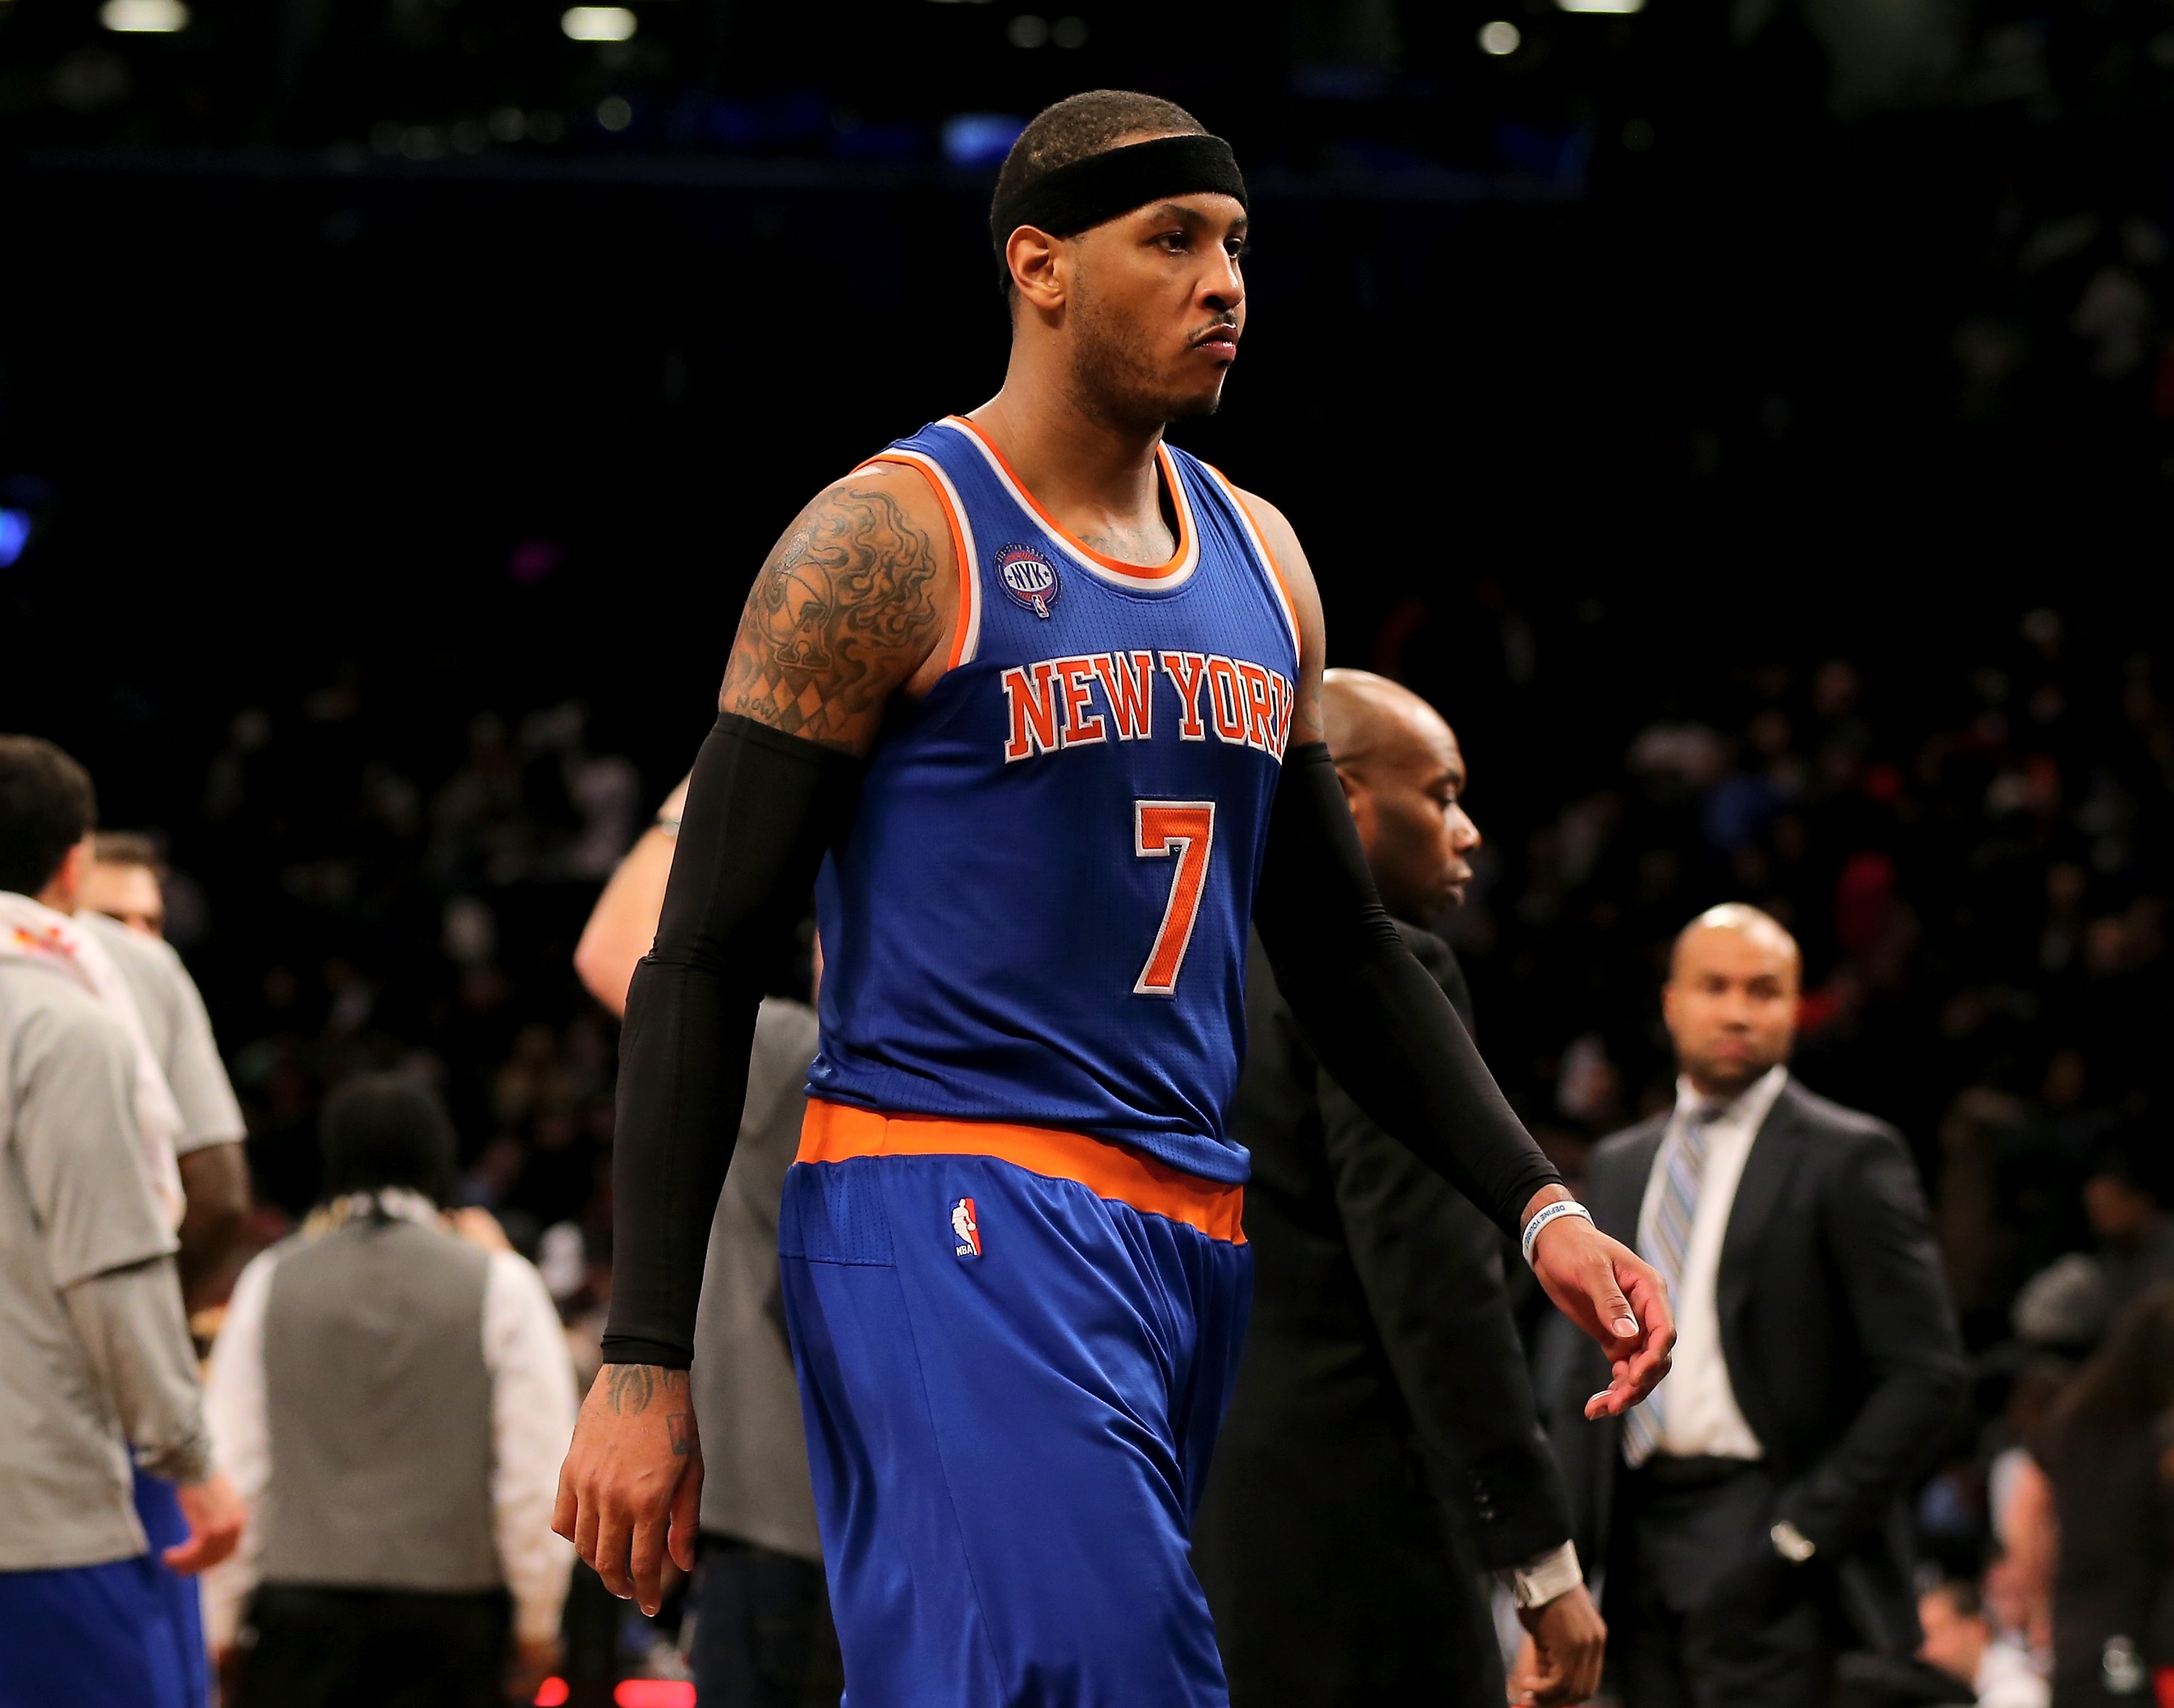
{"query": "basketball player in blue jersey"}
{"type": "Point", "coordinates": [1032, 699]}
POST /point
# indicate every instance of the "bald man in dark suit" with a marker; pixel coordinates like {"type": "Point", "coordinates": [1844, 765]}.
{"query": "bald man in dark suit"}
{"type": "Point", "coordinates": [1382, 1448]}
{"type": "Point", "coordinates": [1750, 1514]}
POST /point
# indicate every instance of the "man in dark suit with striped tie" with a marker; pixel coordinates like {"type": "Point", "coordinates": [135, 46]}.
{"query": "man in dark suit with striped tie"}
{"type": "Point", "coordinates": [1750, 1512]}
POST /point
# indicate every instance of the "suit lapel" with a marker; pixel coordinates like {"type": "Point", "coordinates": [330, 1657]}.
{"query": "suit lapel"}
{"type": "Point", "coordinates": [1618, 1189]}
{"type": "Point", "coordinates": [1775, 1151]}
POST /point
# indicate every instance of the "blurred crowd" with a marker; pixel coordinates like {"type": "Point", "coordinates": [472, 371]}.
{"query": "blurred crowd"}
{"type": "Point", "coordinates": [1973, 862]}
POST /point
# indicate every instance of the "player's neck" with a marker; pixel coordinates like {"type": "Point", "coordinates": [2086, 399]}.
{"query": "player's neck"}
{"type": "Point", "coordinates": [1098, 477]}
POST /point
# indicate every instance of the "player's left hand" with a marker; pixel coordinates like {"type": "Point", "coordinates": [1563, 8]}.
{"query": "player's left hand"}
{"type": "Point", "coordinates": [1616, 1297]}
{"type": "Point", "coordinates": [1558, 1663]}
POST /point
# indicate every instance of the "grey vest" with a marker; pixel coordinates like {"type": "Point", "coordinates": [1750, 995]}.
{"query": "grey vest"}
{"type": "Point", "coordinates": [380, 1409]}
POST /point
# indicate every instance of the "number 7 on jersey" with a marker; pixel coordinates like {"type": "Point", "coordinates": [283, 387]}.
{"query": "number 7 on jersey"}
{"type": "Point", "coordinates": [1186, 830]}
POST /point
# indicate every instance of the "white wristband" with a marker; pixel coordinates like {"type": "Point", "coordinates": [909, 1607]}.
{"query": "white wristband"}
{"type": "Point", "coordinates": [1552, 1213]}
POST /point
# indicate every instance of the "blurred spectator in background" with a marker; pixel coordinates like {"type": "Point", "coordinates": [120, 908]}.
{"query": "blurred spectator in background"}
{"type": "Point", "coordinates": [207, 1142]}
{"type": "Point", "coordinates": [1754, 1504]}
{"type": "Point", "coordinates": [120, 888]}
{"type": "Point", "coordinates": [96, 1363]}
{"type": "Point", "coordinates": [2122, 1199]}
{"type": "Point", "coordinates": [1382, 1447]}
{"type": "Point", "coordinates": [762, 1631]}
{"type": "Point", "coordinates": [1960, 1640]}
{"type": "Point", "coordinates": [392, 1400]}
{"type": "Point", "coordinates": [2106, 1524]}
{"type": "Point", "coordinates": [125, 882]}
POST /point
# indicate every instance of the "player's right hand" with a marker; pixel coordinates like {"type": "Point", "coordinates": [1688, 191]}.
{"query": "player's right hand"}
{"type": "Point", "coordinates": [631, 1486]}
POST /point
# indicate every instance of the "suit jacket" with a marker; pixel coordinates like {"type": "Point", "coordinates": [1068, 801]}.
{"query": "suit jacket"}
{"type": "Point", "coordinates": [1841, 1341]}
{"type": "Point", "coordinates": [1382, 1382]}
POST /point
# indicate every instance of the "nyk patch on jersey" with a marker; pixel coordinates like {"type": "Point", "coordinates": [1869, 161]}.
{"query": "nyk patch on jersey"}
{"type": "Point", "coordinates": [965, 1229]}
{"type": "Point", "coordinates": [1029, 578]}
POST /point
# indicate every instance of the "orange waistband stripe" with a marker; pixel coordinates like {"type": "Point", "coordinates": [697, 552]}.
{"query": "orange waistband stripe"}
{"type": "Point", "coordinates": [837, 1133]}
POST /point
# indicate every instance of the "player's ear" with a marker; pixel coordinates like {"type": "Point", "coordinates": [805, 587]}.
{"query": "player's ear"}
{"type": "Point", "coordinates": [1033, 256]}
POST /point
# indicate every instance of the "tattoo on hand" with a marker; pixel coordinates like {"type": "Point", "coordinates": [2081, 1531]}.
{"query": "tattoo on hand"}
{"type": "Point", "coordinates": [682, 1427]}
{"type": "Point", "coordinates": [841, 614]}
{"type": "Point", "coordinates": [630, 1388]}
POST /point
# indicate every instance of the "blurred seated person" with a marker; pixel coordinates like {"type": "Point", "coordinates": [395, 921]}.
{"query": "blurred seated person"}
{"type": "Point", "coordinates": [1752, 1511]}
{"type": "Point", "coordinates": [2094, 1513]}
{"type": "Point", "coordinates": [2123, 1197]}
{"type": "Point", "coordinates": [1960, 1640]}
{"type": "Point", "coordinates": [393, 1400]}
{"type": "Point", "coordinates": [763, 1635]}
{"type": "Point", "coordinates": [1382, 1447]}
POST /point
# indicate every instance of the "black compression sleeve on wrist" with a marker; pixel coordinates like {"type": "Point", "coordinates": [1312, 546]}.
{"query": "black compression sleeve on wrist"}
{"type": "Point", "coordinates": [1380, 1026]}
{"type": "Point", "coordinates": [761, 809]}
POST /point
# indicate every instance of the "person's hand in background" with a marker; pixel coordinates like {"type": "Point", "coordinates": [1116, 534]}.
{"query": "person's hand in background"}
{"type": "Point", "coordinates": [215, 1516]}
{"type": "Point", "coordinates": [1558, 1663]}
{"type": "Point", "coordinates": [478, 1227]}
{"type": "Point", "coordinates": [534, 1659]}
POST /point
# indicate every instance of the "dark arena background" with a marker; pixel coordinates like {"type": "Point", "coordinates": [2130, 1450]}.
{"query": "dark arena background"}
{"type": "Point", "coordinates": [1751, 422]}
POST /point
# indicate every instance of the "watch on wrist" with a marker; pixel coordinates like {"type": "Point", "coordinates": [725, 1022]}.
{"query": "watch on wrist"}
{"type": "Point", "coordinates": [1791, 1543]}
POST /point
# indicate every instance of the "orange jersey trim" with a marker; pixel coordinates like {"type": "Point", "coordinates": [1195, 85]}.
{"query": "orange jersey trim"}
{"type": "Point", "coordinates": [1269, 557]}
{"type": "Point", "coordinates": [838, 1132]}
{"type": "Point", "coordinates": [1139, 572]}
{"type": "Point", "coordinates": [965, 625]}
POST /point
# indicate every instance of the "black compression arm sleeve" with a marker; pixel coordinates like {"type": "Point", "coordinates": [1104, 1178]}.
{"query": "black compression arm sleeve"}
{"type": "Point", "coordinates": [761, 809]}
{"type": "Point", "coordinates": [1380, 1026]}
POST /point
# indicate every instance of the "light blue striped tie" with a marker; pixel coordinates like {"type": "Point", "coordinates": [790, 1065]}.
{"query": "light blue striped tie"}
{"type": "Point", "coordinates": [1665, 1248]}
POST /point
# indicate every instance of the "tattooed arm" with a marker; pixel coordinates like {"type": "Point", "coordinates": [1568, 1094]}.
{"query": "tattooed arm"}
{"type": "Point", "coordinates": [854, 604]}
{"type": "Point", "coordinates": [849, 610]}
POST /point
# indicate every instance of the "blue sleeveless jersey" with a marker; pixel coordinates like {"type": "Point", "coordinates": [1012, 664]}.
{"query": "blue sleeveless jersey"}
{"type": "Point", "coordinates": [1041, 913]}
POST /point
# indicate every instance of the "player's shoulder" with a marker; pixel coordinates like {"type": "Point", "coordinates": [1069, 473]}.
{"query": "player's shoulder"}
{"type": "Point", "coordinates": [153, 958]}
{"type": "Point", "coordinates": [886, 510]}
{"type": "Point", "coordinates": [48, 1021]}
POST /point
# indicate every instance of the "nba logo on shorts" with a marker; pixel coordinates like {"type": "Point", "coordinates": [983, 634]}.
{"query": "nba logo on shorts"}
{"type": "Point", "coordinates": [965, 1229]}
{"type": "Point", "coordinates": [1029, 578]}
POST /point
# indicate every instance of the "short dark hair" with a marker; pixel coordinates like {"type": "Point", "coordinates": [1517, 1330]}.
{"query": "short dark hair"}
{"type": "Point", "coordinates": [46, 807]}
{"type": "Point", "coordinates": [1963, 1598]}
{"type": "Point", "coordinates": [126, 848]}
{"type": "Point", "coordinates": [382, 1130]}
{"type": "Point", "coordinates": [1088, 123]}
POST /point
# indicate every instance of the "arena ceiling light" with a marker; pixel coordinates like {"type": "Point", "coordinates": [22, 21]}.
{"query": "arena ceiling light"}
{"type": "Point", "coordinates": [144, 16]}
{"type": "Point", "coordinates": [1619, 7]}
{"type": "Point", "coordinates": [587, 23]}
{"type": "Point", "coordinates": [1501, 38]}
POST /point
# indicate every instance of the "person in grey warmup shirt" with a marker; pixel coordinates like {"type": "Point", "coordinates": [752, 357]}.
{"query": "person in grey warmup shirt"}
{"type": "Point", "coordinates": [94, 1354]}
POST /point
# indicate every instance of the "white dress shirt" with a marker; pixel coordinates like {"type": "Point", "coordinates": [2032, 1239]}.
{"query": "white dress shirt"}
{"type": "Point", "coordinates": [1699, 1415]}
{"type": "Point", "coordinates": [532, 1403]}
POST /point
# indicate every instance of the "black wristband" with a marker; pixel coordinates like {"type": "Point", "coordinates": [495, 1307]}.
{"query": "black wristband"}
{"type": "Point", "coordinates": [1379, 1024]}
{"type": "Point", "coordinates": [762, 807]}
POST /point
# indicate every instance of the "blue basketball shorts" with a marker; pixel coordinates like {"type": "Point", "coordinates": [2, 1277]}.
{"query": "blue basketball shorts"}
{"type": "Point", "coordinates": [125, 1634]}
{"type": "Point", "coordinates": [1015, 1347]}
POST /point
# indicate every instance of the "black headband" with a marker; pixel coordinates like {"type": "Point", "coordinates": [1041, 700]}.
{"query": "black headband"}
{"type": "Point", "coordinates": [1087, 192]}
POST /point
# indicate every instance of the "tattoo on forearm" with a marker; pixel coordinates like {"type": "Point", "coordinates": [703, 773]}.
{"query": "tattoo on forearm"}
{"type": "Point", "coordinates": [843, 611]}
{"type": "Point", "coordinates": [630, 1388]}
{"type": "Point", "coordinates": [682, 1427]}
